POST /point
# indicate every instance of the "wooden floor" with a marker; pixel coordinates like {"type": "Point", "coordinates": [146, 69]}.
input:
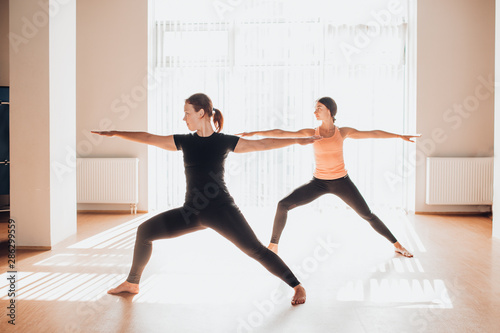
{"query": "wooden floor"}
{"type": "Point", "coordinates": [202, 283]}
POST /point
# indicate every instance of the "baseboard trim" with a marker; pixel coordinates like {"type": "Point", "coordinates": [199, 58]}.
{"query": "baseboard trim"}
{"type": "Point", "coordinates": [454, 213]}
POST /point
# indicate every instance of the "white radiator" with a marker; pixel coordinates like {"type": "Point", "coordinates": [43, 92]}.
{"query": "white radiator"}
{"type": "Point", "coordinates": [459, 181]}
{"type": "Point", "coordinates": [108, 180]}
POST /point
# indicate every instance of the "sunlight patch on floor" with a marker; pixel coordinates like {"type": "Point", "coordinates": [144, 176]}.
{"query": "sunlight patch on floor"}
{"type": "Point", "coordinates": [86, 260]}
{"type": "Point", "coordinates": [112, 237]}
{"type": "Point", "coordinates": [44, 286]}
{"type": "Point", "coordinates": [399, 265]}
{"type": "Point", "coordinates": [407, 293]}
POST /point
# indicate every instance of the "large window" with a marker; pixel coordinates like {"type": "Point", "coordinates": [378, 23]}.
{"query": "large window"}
{"type": "Point", "coordinates": [264, 69]}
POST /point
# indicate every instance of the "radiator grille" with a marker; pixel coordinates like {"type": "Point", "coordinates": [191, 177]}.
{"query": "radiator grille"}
{"type": "Point", "coordinates": [459, 181]}
{"type": "Point", "coordinates": [107, 180]}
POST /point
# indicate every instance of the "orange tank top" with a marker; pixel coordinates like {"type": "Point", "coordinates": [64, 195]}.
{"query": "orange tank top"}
{"type": "Point", "coordinates": [329, 156]}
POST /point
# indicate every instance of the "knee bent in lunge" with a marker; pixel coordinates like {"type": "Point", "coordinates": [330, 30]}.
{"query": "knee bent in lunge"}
{"type": "Point", "coordinates": [143, 232]}
{"type": "Point", "coordinates": [285, 205]}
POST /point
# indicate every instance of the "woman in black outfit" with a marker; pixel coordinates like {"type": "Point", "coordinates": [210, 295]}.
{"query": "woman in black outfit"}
{"type": "Point", "coordinates": [208, 203]}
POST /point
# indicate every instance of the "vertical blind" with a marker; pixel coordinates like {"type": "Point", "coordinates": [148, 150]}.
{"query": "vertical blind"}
{"type": "Point", "coordinates": [268, 73]}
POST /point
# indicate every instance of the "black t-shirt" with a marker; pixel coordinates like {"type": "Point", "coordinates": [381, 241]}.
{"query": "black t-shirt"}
{"type": "Point", "coordinates": [204, 159]}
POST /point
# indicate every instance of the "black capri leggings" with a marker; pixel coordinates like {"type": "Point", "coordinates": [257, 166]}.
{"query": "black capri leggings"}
{"type": "Point", "coordinates": [344, 188]}
{"type": "Point", "coordinates": [226, 219]}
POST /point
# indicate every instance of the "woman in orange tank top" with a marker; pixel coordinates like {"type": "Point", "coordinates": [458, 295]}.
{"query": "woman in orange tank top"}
{"type": "Point", "coordinates": [330, 175]}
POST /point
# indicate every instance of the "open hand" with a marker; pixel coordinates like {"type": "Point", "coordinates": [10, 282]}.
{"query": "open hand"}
{"type": "Point", "coordinates": [104, 133]}
{"type": "Point", "coordinates": [410, 137]}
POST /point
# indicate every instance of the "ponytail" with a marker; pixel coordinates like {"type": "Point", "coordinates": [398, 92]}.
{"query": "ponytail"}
{"type": "Point", "coordinates": [218, 120]}
{"type": "Point", "coordinates": [201, 101]}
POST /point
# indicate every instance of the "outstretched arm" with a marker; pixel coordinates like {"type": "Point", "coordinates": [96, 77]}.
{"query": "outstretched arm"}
{"type": "Point", "coordinates": [348, 132]}
{"type": "Point", "coordinates": [245, 146]}
{"type": "Point", "coordinates": [278, 133]}
{"type": "Point", "coordinates": [164, 142]}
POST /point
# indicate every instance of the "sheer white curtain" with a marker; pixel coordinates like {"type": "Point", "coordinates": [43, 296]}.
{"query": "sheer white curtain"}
{"type": "Point", "coordinates": [267, 73]}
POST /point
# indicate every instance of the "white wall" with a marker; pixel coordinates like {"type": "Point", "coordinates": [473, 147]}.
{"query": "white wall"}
{"type": "Point", "coordinates": [62, 69]}
{"type": "Point", "coordinates": [455, 61]}
{"type": "Point", "coordinates": [4, 42]}
{"type": "Point", "coordinates": [111, 74]}
{"type": "Point", "coordinates": [496, 191]}
{"type": "Point", "coordinates": [42, 122]}
{"type": "Point", "coordinates": [29, 106]}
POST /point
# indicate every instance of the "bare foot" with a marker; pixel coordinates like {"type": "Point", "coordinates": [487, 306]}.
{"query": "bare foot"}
{"type": "Point", "coordinates": [125, 287]}
{"type": "Point", "coordinates": [401, 250]}
{"type": "Point", "coordinates": [273, 247]}
{"type": "Point", "coordinates": [300, 295]}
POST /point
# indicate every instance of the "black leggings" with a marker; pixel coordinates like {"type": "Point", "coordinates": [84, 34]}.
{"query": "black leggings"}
{"type": "Point", "coordinates": [226, 219]}
{"type": "Point", "coordinates": [344, 188]}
